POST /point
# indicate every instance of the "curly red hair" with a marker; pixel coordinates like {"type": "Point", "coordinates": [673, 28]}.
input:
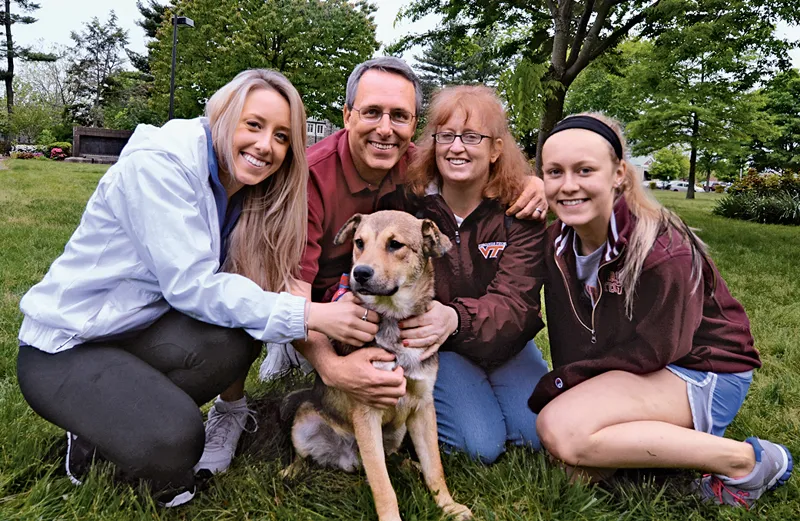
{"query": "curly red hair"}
{"type": "Point", "coordinates": [506, 175]}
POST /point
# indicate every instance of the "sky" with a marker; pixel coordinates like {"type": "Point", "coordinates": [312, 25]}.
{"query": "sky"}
{"type": "Point", "coordinates": [57, 18]}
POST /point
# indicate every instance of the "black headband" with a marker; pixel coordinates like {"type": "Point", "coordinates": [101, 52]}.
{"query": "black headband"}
{"type": "Point", "coordinates": [593, 124]}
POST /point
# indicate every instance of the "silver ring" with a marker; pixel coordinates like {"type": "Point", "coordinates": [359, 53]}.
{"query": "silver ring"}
{"type": "Point", "coordinates": [366, 312]}
{"type": "Point", "coordinates": [538, 210]}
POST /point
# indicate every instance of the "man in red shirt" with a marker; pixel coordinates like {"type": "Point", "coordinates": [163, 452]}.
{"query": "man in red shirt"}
{"type": "Point", "coordinates": [349, 172]}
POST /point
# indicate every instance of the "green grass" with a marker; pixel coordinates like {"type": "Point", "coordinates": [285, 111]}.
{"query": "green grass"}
{"type": "Point", "coordinates": [42, 203]}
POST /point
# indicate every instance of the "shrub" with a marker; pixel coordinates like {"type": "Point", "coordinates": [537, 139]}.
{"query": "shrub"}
{"type": "Point", "coordinates": [779, 208]}
{"type": "Point", "coordinates": [57, 154]}
{"type": "Point", "coordinates": [65, 146]}
{"type": "Point", "coordinates": [719, 189]}
{"type": "Point", "coordinates": [30, 149]}
{"type": "Point", "coordinates": [653, 185]}
{"type": "Point", "coordinates": [5, 147]}
{"type": "Point", "coordinates": [22, 155]}
{"type": "Point", "coordinates": [45, 137]}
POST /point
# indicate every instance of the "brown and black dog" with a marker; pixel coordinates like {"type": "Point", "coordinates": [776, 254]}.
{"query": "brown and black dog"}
{"type": "Point", "coordinates": [393, 275]}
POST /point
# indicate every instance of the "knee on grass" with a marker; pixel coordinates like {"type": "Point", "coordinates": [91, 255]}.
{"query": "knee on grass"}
{"type": "Point", "coordinates": [167, 451]}
{"type": "Point", "coordinates": [562, 438]}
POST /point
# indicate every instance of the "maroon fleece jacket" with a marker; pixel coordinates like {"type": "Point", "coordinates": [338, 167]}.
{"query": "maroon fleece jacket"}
{"type": "Point", "coordinates": [706, 329]}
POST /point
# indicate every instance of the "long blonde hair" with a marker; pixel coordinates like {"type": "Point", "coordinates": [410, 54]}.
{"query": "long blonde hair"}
{"type": "Point", "coordinates": [652, 219]}
{"type": "Point", "coordinates": [268, 241]}
{"type": "Point", "coordinates": [506, 175]}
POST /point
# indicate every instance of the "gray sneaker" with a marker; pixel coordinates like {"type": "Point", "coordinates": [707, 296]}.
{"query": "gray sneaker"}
{"type": "Point", "coordinates": [280, 360]}
{"type": "Point", "coordinates": [224, 427]}
{"type": "Point", "coordinates": [773, 468]}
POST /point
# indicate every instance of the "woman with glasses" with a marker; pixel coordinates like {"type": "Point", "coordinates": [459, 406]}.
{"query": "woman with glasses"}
{"type": "Point", "coordinates": [465, 173]}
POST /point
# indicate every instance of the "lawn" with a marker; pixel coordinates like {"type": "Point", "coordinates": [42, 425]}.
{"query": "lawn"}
{"type": "Point", "coordinates": [41, 205]}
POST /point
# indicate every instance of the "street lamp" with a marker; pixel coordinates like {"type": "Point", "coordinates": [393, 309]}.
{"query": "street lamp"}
{"type": "Point", "coordinates": [176, 21]}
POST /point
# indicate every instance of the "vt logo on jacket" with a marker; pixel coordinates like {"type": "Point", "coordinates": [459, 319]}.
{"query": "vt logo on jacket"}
{"type": "Point", "coordinates": [613, 284]}
{"type": "Point", "coordinates": [490, 250]}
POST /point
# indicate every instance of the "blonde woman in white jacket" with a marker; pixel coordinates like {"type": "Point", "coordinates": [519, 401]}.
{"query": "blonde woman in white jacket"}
{"type": "Point", "coordinates": [183, 263]}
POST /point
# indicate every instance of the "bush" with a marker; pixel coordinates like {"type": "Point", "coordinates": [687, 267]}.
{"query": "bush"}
{"type": "Point", "coordinates": [5, 147]}
{"type": "Point", "coordinates": [57, 154]}
{"type": "Point", "coordinates": [767, 185]}
{"type": "Point", "coordinates": [653, 185]}
{"type": "Point", "coordinates": [30, 149]}
{"type": "Point", "coordinates": [45, 137]}
{"type": "Point", "coordinates": [65, 146]}
{"type": "Point", "coordinates": [780, 208]}
{"type": "Point", "coordinates": [22, 155]}
{"type": "Point", "coordinates": [719, 189]}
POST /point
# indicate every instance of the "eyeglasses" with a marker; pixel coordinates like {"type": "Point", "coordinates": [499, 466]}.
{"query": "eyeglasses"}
{"type": "Point", "coordinates": [399, 117]}
{"type": "Point", "coordinates": [468, 138]}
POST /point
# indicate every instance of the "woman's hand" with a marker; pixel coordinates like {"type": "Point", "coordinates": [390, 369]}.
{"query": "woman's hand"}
{"type": "Point", "coordinates": [531, 203]}
{"type": "Point", "coordinates": [429, 330]}
{"type": "Point", "coordinates": [344, 321]}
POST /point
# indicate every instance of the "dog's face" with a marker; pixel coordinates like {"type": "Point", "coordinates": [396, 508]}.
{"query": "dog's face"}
{"type": "Point", "coordinates": [391, 251]}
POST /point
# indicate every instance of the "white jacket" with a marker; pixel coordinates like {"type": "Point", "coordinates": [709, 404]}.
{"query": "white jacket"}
{"type": "Point", "coordinates": [149, 241]}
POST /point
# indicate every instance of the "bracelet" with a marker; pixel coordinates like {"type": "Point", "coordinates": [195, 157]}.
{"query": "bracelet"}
{"type": "Point", "coordinates": [305, 318]}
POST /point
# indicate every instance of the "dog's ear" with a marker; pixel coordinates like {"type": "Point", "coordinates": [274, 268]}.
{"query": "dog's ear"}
{"type": "Point", "coordinates": [347, 231]}
{"type": "Point", "coordinates": [434, 242]}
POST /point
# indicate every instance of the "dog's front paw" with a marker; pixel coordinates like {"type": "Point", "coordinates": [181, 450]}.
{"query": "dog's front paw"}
{"type": "Point", "coordinates": [458, 511]}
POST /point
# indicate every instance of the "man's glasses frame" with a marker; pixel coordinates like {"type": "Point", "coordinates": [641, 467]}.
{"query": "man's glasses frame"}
{"type": "Point", "coordinates": [398, 117]}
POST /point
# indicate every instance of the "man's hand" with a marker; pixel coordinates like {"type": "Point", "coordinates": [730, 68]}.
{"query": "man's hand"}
{"type": "Point", "coordinates": [429, 330]}
{"type": "Point", "coordinates": [531, 203]}
{"type": "Point", "coordinates": [355, 375]}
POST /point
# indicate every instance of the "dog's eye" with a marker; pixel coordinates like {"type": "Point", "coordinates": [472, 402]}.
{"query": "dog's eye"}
{"type": "Point", "coordinates": [394, 245]}
{"type": "Point", "coordinates": [359, 243]}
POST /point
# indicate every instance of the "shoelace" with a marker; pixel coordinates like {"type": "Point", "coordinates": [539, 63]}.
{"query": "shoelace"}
{"type": "Point", "coordinates": [217, 425]}
{"type": "Point", "coordinates": [718, 488]}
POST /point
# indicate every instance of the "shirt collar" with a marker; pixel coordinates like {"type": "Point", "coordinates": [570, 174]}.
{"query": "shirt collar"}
{"type": "Point", "coordinates": [354, 181]}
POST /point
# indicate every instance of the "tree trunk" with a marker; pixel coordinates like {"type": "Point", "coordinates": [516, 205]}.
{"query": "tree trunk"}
{"type": "Point", "coordinates": [553, 111]}
{"type": "Point", "coordinates": [693, 155]}
{"type": "Point", "coordinates": [9, 77]}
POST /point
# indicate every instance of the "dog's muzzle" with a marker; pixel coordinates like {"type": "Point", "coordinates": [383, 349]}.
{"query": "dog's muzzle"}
{"type": "Point", "coordinates": [363, 283]}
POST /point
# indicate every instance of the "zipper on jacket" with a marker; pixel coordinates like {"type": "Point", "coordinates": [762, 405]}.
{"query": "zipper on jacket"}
{"type": "Point", "coordinates": [600, 295]}
{"type": "Point", "coordinates": [571, 303]}
{"type": "Point", "coordinates": [591, 329]}
{"type": "Point", "coordinates": [458, 237]}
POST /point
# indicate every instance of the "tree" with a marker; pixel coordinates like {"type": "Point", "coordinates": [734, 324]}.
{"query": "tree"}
{"type": "Point", "coordinates": [458, 60]}
{"type": "Point", "coordinates": [98, 54]}
{"type": "Point", "coordinates": [153, 14]}
{"type": "Point", "coordinates": [604, 87]}
{"type": "Point", "coordinates": [669, 163]}
{"type": "Point", "coordinates": [126, 101]}
{"type": "Point", "coordinates": [781, 152]}
{"type": "Point", "coordinates": [11, 50]}
{"type": "Point", "coordinates": [551, 42]}
{"type": "Point", "coordinates": [557, 39]}
{"type": "Point", "coordinates": [695, 86]}
{"type": "Point", "coordinates": [314, 43]}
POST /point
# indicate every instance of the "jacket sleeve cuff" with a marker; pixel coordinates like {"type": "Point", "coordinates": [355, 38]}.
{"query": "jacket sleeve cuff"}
{"type": "Point", "coordinates": [464, 321]}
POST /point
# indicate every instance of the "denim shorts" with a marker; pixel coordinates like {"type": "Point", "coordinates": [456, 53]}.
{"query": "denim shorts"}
{"type": "Point", "coordinates": [714, 398]}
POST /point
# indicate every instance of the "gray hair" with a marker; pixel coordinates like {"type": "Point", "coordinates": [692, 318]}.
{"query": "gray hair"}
{"type": "Point", "coordinates": [388, 64]}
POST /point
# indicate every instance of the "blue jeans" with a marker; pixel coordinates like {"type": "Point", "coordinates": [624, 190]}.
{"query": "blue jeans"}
{"type": "Point", "coordinates": [478, 412]}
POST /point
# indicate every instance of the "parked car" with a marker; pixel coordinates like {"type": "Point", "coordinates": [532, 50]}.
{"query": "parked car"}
{"type": "Point", "coordinates": [683, 186]}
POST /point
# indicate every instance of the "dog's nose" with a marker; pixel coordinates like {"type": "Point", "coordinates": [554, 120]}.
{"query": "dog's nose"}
{"type": "Point", "coordinates": [363, 273]}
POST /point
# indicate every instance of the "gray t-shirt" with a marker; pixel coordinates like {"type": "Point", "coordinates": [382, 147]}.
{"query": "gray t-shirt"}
{"type": "Point", "coordinates": [587, 267]}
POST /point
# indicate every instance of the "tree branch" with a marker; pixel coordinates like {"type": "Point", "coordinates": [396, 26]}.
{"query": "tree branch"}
{"type": "Point", "coordinates": [580, 33]}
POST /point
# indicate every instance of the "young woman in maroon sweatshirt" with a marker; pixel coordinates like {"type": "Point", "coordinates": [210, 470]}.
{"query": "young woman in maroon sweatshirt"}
{"type": "Point", "coordinates": [652, 355]}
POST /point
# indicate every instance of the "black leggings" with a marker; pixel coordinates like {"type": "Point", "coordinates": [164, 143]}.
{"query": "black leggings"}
{"type": "Point", "coordinates": [137, 400]}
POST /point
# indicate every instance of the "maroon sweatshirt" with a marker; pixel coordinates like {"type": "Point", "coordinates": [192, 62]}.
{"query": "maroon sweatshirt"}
{"type": "Point", "coordinates": [705, 330]}
{"type": "Point", "coordinates": [491, 276]}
